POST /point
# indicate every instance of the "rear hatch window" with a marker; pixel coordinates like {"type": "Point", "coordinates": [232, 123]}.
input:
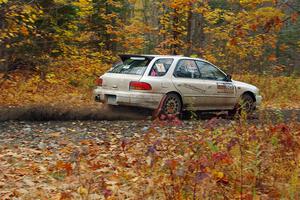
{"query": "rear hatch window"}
{"type": "Point", "coordinates": [131, 65]}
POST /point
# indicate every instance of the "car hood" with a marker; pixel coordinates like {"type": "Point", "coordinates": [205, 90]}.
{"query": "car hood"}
{"type": "Point", "coordinates": [245, 86]}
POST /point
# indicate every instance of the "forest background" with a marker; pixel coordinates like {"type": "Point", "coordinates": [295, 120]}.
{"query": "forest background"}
{"type": "Point", "coordinates": [52, 50]}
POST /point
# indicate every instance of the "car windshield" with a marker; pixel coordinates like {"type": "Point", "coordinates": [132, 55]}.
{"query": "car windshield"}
{"type": "Point", "coordinates": [132, 65]}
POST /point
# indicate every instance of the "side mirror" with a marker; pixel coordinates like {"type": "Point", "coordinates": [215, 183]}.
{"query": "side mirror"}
{"type": "Point", "coordinates": [228, 77]}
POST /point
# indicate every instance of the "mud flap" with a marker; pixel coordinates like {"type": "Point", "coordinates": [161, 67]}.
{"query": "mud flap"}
{"type": "Point", "coordinates": [157, 111]}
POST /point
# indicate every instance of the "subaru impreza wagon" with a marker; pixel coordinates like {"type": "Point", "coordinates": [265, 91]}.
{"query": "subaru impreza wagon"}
{"type": "Point", "coordinates": [174, 84]}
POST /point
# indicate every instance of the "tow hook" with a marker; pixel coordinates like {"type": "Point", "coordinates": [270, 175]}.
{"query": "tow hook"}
{"type": "Point", "coordinates": [97, 98]}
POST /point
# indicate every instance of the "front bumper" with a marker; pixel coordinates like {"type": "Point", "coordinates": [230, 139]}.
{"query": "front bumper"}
{"type": "Point", "coordinates": [127, 98]}
{"type": "Point", "coordinates": [258, 100]}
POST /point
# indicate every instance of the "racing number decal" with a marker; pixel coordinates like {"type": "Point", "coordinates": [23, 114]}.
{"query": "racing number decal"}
{"type": "Point", "coordinates": [227, 88]}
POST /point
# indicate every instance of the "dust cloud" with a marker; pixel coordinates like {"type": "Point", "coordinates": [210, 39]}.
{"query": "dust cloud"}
{"type": "Point", "coordinates": [65, 113]}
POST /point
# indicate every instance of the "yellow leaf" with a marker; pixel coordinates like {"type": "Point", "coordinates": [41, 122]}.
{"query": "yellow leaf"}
{"type": "Point", "coordinates": [3, 1]}
{"type": "Point", "coordinates": [82, 191]}
{"type": "Point", "coordinates": [217, 174]}
{"type": "Point", "coordinates": [220, 175]}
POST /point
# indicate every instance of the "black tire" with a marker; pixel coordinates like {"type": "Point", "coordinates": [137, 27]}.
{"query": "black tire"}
{"type": "Point", "coordinates": [172, 105]}
{"type": "Point", "coordinates": [245, 105]}
{"type": "Point", "coordinates": [109, 107]}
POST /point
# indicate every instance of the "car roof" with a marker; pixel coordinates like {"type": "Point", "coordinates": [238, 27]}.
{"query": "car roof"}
{"type": "Point", "coordinates": [150, 56]}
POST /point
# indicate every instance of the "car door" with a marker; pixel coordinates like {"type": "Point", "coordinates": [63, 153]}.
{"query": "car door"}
{"type": "Point", "coordinates": [221, 92]}
{"type": "Point", "coordinates": [194, 91]}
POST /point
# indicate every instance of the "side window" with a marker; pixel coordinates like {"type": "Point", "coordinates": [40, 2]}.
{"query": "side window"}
{"type": "Point", "coordinates": [207, 71]}
{"type": "Point", "coordinates": [186, 69]}
{"type": "Point", "coordinates": [161, 67]}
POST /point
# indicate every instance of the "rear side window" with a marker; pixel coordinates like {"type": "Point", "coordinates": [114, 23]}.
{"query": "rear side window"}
{"type": "Point", "coordinates": [186, 69]}
{"type": "Point", "coordinates": [161, 67]}
{"type": "Point", "coordinates": [135, 66]}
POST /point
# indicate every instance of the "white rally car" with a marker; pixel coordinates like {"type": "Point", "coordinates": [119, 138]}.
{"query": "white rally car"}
{"type": "Point", "coordinates": [174, 83]}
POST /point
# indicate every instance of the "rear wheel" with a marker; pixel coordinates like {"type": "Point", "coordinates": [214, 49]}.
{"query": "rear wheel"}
{"type": "Point", "coordinates": [172, 105]}
{"type": "Point", "coordinates": [245, 105]}
{"type": "Point", "coordinates": [109, 107]}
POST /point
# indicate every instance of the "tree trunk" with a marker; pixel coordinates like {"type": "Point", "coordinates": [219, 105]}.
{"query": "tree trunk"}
{"type": "Point", "coordinates": [174, 47]}
{"type": "Point", "coordinates": [107, 35]}
{"type": "Point", "coordinates": [190, 29]}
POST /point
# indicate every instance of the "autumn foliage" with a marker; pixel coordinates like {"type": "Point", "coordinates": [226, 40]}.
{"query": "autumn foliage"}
{"type": "Point", "coordinates": [238, 35]}
{"type": "Point", "coordinates": [207, 160]}
{"type": "Point", "coordinates": [51, 51]}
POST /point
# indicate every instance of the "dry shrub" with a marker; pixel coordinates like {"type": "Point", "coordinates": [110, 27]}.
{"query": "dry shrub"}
{"type": "Point", "coordinates": [64, 81]}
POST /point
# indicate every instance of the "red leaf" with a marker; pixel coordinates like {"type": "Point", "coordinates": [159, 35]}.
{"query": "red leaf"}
{"type": "Point", "coordinates": [294, 17]}
{"type": "Point", "coordinates": [60, 165]}
{"type": "Point", "coordinates": [172, 164]}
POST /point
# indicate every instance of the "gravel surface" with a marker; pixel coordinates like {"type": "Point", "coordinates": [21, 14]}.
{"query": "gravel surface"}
{"type": "Point", "coordinates": [14, 132]}
{"type": "Point", "coordinates": [38, 132]}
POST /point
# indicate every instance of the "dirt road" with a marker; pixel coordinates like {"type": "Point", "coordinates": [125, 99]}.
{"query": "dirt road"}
{"type": "Point", "coordinates": [67, 113]}
{"type": "Point", "coordinates": [34, 129]}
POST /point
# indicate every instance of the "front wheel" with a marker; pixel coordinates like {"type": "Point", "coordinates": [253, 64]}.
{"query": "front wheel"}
{"type": "Point", "coordinates": [245, 105]}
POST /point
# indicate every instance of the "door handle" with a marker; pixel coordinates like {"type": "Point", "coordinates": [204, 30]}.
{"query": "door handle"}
{"type": "Point", "coordinates": [115, 86]}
